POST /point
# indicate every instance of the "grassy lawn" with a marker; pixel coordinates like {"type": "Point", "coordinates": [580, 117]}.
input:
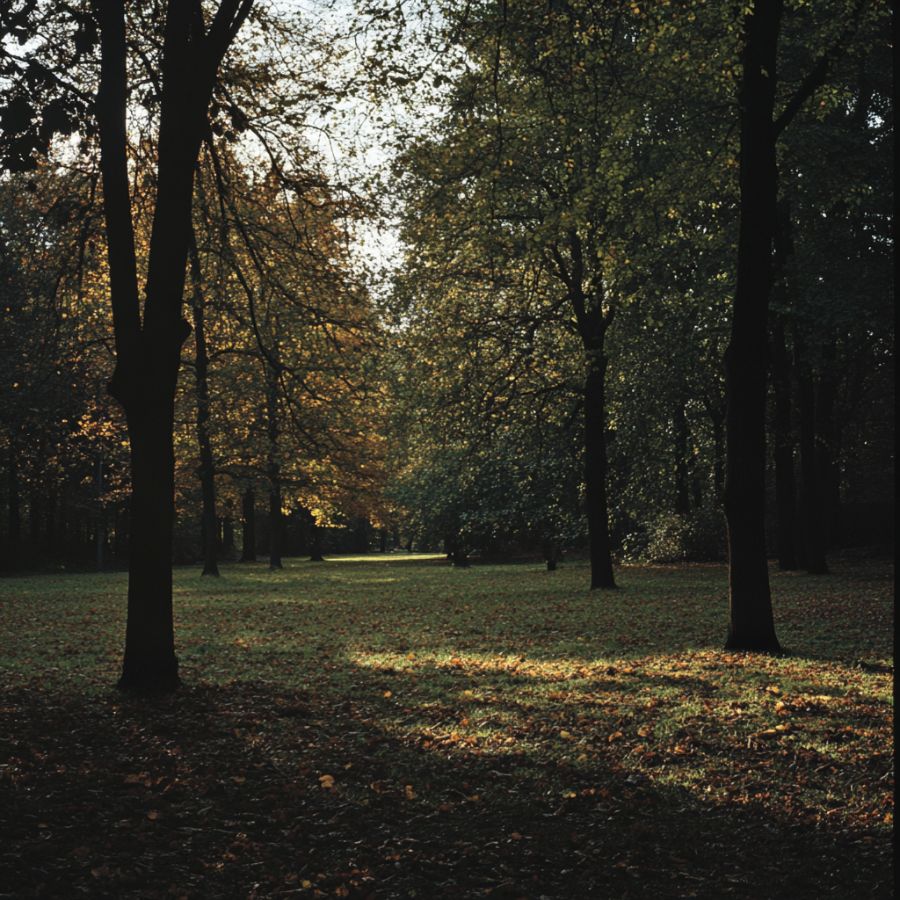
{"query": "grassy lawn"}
{"type": "Point", "coordinates": [391, 727]}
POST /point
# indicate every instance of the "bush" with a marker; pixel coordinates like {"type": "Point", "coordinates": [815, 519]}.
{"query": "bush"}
{"type": "Point", "coordinates": [698, 536]}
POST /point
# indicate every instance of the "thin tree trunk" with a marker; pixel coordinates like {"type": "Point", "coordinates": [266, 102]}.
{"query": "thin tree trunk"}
{"type": "Point", "coordinates": [718, 429]}
{"type": "Point", "coordinates": [273, 469]}
{"type": "Point", "coordinates": [810, 499]}
{"type": "Point", "coordinates": [201, 385]}
{"type": "Point", "coordinates": [785, 481]}
{"type": "Point", "coordinates": [99, 518]}
{"type": "Point", "coordinates": [680, 428]}
{"type": "Point", "coordinates": [828, 475]}
{"type": "Point", "coordinates": [595, 466]}
{"type": "Point", "coordinates": [13, 511]}
{"type": "Point", "coordinates": [248, 526]}
{"type": "Point", "coordinates": [751, 623]}
{"type": "Point", "coordinates": [315, 542]}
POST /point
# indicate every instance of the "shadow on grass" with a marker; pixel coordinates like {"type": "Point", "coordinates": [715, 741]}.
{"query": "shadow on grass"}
{"type": "Point", "coordinates": [249, 789]}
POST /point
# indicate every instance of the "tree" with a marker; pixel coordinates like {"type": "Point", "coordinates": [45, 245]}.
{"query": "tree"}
{"type": "Point", "coordinates": [751, 625]}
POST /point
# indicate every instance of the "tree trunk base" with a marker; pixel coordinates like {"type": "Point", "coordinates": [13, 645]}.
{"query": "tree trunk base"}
{"type": "Point", "coordinates": [211, 570]}
{"type": "Point", "coordinates": [766, 645]}
{"type": "Point", "coordinates": [150, 680]}
{"type": "Point", "coordinates": [603, 584]}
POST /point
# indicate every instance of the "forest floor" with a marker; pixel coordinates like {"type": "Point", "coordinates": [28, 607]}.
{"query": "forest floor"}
{"type": "Point", "coordinates": [390, 727]}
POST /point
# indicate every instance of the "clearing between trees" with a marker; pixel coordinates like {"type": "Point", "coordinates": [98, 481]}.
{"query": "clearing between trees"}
{"type": "Point", "coordinates": [391, 727]}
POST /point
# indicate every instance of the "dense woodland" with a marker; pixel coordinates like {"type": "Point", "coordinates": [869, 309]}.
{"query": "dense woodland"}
{"type": "Point", "coordinates": [642, 280]}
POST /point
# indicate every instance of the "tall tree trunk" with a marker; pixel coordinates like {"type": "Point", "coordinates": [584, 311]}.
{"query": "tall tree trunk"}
{"type": "Point", "coordinates": [810, 498]}
{"type": "Point", "coordinates": [595, 466]}
{"type": "Point", "coordinates": [148, 348]}
{"type": "Point", "coordinates": [751, 624]}
{"type": "Point", "coordinates": [207, 471]}
{"type": "Point", "coordinates": [592, 321]}
{"type": "Point", "coordinates": [273, 469]}
{"type": "Point", "coordinates": [680, 428]}
{"type": "Point", "coordinates": [248, 526]}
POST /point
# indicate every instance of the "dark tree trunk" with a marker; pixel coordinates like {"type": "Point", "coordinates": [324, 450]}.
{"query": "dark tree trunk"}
{"type": "Point", "coordinates": [382, 540]}
{"type": "Point", "coordinates": [228, 537]}
{"type": "Point", "coordinates": [248, 526]}
{"type": "Point", "coordinates": [680, 428]}
{"type": "Point", "coordinates": [828, 474]}
{"type": "Point", "coordinates": [35, 518]}
{"type": "Point", "coordinates": [150, 660]}
{"type": "Point", "coordinates": [207, 471]}
{"type": "Point", "coordinates": [550, 554]}
{"type": "Point", "coordinates": [273, 469]}
{"type": "Point", "coordinates": [595, 466]}
{"type": "Point", "coordinates": [50, 513]}
{"type": "Point", "coordinates": [99, 519]}
{"type": "Point", "coordinates": [810, 499]}
{"type": "Point", "coordinates": [148, 349]}
{"type": "Point", "coordinates": [13, 510]}
{"type": "Point", "coordinates": [592, 321]}
{"type": "Point", "coordinates": [276, 523]}
{"type": "Point", "coordinates": [315, 542]}
{"type": "Point", "coordinates": [751, 625]}
{"type": "Point", "coordinates": [718, 429]}
{"type": "Point", "coordinates": [785, 482]}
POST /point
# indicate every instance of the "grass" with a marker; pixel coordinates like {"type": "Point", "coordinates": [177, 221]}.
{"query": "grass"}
{"type": "Point", "coordinates": [391, 727]}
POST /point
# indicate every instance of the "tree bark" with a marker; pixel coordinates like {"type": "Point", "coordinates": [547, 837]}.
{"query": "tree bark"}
{"type": "Point", "coordinates": [751, 623]}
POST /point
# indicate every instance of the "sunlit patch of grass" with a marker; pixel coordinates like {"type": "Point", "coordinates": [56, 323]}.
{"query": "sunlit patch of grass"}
{"type": "Point", "coordinates": [508, 684]}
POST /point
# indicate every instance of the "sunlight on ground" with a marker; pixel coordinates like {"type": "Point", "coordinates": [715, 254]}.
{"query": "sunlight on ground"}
{"type": "Point", "coordinates": [392, 556]}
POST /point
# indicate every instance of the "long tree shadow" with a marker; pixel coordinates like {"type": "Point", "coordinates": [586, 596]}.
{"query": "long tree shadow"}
{"type": "Point", "coordinates": [252, 789]}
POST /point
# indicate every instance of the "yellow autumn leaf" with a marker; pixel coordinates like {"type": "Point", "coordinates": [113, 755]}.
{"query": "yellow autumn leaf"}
{"type": "Point", "coordinates": [326, 781]}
